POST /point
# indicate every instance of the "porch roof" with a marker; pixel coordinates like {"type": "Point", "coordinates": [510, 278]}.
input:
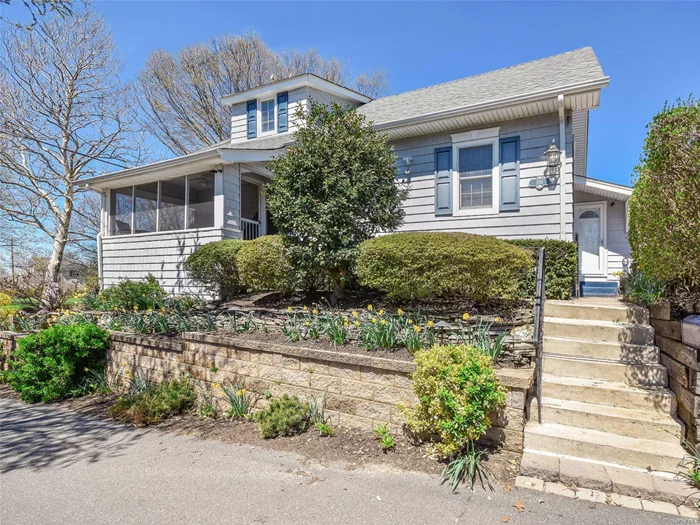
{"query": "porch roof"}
{"type": "Point", "coordinates": [602, 188]}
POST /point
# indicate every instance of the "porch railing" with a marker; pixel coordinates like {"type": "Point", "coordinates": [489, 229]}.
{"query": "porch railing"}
{"type": "Point", "coordinates": [537, 336]}
{"type": "Point", "coordinates": [250, 229]}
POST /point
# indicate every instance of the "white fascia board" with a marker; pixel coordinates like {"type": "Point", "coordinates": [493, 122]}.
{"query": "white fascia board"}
{"type": "Point", "coordinates": [249, 155]}
{"type": "Point", "coordinates": [496, 104]}
{"type": "Point", "coordinates": [306, 80]}
{"type": "Point", "coordinates": [595, 186]}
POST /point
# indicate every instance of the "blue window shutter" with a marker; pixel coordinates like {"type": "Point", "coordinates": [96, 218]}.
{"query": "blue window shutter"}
{"type": "Point", "coordinates": [443, 181]}
{"type": "Point", "coordinates": [510, 174]}
{"type": "Point", "coordinates": [252, 110]}
{"type": "Point", "coordinates": [282, 112]}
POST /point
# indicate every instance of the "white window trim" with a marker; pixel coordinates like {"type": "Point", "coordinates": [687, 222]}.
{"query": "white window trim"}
{"type": "Point", "coordinates": [274, 116]}
{"type": "Point", "coordinates": [470, 139]}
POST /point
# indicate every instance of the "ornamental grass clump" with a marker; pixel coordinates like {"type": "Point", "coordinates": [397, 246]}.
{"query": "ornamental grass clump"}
{"type": "Point", "coordinates": [457, 389]}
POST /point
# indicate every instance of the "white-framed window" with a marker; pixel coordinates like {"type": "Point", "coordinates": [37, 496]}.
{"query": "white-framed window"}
{"type": "Point", "coordinates": [267, 116]}
{"type": "Point", "coordinates": [475, 168]}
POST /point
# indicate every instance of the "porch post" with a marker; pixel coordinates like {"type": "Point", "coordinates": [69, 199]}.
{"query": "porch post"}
{"type": "Point", "coordinates": [218, 198]}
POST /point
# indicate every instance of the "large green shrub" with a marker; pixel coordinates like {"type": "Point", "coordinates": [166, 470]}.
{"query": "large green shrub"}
{"type": "Point", "coordinates": [129, 295]}
{"type": "Point", "coordinates": [561, 267]}
{"type": "Point", "coordinates": [333, 189]}
{"type": "Point", "coordinates": [664, 210]}
{"type": "Point", "coordinates": [457, 389]}
{"type": "Point", "coordinates": [155, 403]}
{"type": "Point", "coordinates": [263, 265]}
{"type": "Point", "coordinates": [285, 416]}
{"type": "Point", "coordinates": [214, 266]}
{"type": "Point", "coordinates": [51, 364]}
{"type": "Point", "coordinates": [416, 265]}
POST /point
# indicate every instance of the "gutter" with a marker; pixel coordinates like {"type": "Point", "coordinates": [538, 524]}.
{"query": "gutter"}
{"type": "Point", "coordinates": [475, 108]}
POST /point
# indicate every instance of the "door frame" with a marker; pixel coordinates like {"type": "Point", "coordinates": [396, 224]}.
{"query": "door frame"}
{"type": "Point", "coordinates": [262, 207]}
{"type": "Point", "coordinates": [604, 237]}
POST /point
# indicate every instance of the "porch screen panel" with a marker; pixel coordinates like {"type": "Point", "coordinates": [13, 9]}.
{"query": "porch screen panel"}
{"type": "Point", "coordinates": [476, 177]}
{"type": "Point", "coordinates": [121, 207]}
{"type": "Point", "coordinates": [250, 201]}
{"type": "Point", "coordinates": [201, 201]}
{"type": "Point", "coordinates": [146, 208]}
{"type": "Point", "coordinates": [172, 204]}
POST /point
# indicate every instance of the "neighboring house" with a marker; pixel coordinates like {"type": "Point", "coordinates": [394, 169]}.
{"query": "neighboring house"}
{"type": "Point", "coordinates": [472, 151]}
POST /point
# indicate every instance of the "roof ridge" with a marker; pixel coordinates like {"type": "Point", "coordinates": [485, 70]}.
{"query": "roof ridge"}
{"type": "Point", "coordinates": [479, 74]}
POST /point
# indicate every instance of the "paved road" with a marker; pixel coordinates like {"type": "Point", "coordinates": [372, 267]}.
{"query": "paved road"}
{"type": "Point", "coordinates": [59, 467]}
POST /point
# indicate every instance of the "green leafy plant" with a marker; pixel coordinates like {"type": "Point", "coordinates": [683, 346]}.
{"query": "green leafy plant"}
{"type": "Point", "coordinates": [691, 465]}
{"type": "Point", "coordinates": [134, 295]}
{"type": "Point", "coordinates": [263, 265]}
{"type": "Point", "coordinates": [156, 403]}
{"type": "Point", "coordinates": [467, 468]}
{"type": "Point", "coordinates": [664, 209]}
{"type": "Point", "coordinates": [333, 189]}
{"type": "Point", "coordinates": [285, 416]}
{"type": "Point", "coordinates": [386, 438]}
{"type": "Point", "coordinates": [642, 287]}
{"type": "Point", "coordinates": [457, 389]}
{"type": "Point", "coordinates": [561, 268]}
{"type": "Point", "coordinates": [214, 266]}
{"type": "Point", "coordinates": [96, 382]}
{"type": "Point", "coordinates": [53, 363]}
{"type": "Point", "coordinates": [417, 265]}
{"type": "Point", "coordinates": [240, 400]}
{"type": "Point", "coordinates": [479, 336]}
{"type": "Point", "coordinates": [318, 418]}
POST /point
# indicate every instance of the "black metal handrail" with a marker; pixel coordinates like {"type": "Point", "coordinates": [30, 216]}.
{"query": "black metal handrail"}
{"type": "Point", "coordinates": [537, 336]}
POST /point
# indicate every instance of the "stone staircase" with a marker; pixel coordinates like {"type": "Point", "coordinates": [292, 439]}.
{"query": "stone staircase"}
{"type": "Point", "coordinates": [608, 418]}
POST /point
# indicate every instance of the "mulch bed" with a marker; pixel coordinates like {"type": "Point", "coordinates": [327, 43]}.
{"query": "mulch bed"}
{"type": "Point", "coordinates": [349, 446]}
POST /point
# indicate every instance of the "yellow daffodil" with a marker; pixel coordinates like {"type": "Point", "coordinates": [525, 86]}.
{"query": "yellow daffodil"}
{"type": "Point", "coordinates": [430, 324]}
{"type": "Point", "coordinates": [380, 312]}
{"type": "Point", "coordinates": [416, 328]}
{"type": "Point", "coordinates": [383, 321]}
{"type": "Point", "coordinates": [374, 320]}
{"type": "Point", "coordinates": [345, 324]}
{"type": "Point", "coordinates": [289, 308]}
{"type": "Point", "coordinates": [162, 309]}
{"type": "Point", "coordinates": [357, 323]}
{"type": "Point", "coordinates": [86, 369]}
{"type": "Point", "coordinates": [465, 317]}
{"type": "Point", "coordinates": [369, 307]}
{"type": "Point", "coordinates": [150, 310]}
{"type": "Point", "coordinates": [239, 393]}
{"type": "Point", "coordinates": [497, 319]}
{"type": "Point", "coordinates": [136, 308]}
{"type": "Point", "coordinates": [399, 311]}
{"type": "Point", "coordinates": [306, 308]}
{"type": "Point", "coordinates": [410, 321]}
{"type": "Point", "coordinates": [345, 318]}
{"type": "Point", "coordinates": [307, 323]}
{"type": "Point", "coordinates": [243, 390]}
{"type": "Point", "coordinates": [314, 311]}
{"type": "Point", "coordinates": [355, 315]}
{"type": "Point", "coordinates": [215, 385]}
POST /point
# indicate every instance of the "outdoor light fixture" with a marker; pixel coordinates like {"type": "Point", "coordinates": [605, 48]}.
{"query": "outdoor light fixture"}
{"type": "Point", "coordinates": [551, 172]}
{"type": "Point", "coordinates": [443, 326]}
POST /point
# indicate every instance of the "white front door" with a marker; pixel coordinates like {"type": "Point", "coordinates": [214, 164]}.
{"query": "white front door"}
{"type": "Point", "coordinates": [589, 223]}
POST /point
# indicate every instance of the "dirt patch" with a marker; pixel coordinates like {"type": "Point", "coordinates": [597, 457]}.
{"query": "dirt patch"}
{"type": "Point", "coordinates": [354, 448]}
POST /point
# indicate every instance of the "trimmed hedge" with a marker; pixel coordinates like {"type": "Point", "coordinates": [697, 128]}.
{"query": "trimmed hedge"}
{"type": "Point", "coordinates": [410, 266]}
{"type": "Point", "coordinates": [561, 267]}
{"type": "Point", "coordinates": [263, 265]}
{"type": "Point", "coordinates": [214, 267]}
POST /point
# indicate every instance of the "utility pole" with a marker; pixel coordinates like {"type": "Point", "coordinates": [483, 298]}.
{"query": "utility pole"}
{"type": "Point", "coordinates": [12, 259]}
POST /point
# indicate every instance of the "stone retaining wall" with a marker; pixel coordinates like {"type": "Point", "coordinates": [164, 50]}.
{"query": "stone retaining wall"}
{"type": "Point", "coordinates": [361, 390]}
{"type": "Point", "coordinates": [682, 363]}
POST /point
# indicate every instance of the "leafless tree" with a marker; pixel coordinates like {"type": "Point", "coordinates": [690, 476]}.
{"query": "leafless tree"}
{"type": "Point", "coordinates": [180, 94]}
{"type": "Point", "coordinates": [40, 8]}
{"type": "Point", "coordinates": [64, 116]}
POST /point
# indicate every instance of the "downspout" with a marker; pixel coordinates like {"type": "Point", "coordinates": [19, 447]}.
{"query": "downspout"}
{"type": "Point", "coordinates": [562, 182]}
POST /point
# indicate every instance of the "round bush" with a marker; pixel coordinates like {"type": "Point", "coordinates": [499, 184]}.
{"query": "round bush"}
{"type": "Point", "coordinates": [51, 364]}
{"type": "Point", "coordinates": [214, 267]}
{"type": "Point", "coordinates": [263, 265]}
{"type": "Point", "coordinates": [410, 266]}
{"type": "Point", "coordinates": [457, 389]}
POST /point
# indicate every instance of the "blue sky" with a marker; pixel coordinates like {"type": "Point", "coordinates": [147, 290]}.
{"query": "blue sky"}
{"type": "Point", "coordinates": [650, 50]}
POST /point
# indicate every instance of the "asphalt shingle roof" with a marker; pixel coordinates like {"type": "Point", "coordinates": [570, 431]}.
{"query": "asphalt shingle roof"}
{"type": "Point", "coordinates": [271, 142]}
{"type": "Point", "coordinates": [569, 68]}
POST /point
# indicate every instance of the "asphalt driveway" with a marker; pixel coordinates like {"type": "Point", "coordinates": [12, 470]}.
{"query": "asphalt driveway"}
{"type": "Point", "coordinates": [57, 466]}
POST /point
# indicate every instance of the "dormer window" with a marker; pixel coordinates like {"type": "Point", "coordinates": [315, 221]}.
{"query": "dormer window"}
{"type": "Point", "coordinates": [267, 116]}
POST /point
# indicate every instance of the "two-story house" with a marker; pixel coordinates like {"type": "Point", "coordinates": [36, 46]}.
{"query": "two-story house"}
{"type": "Point", "coordinates": [472, 150]}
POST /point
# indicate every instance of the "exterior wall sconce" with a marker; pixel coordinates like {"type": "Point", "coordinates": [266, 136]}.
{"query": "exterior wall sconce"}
{"type": "Point", "coordinates": [407, 162]}
{"type": "Point", "coordinates": [551, 172]}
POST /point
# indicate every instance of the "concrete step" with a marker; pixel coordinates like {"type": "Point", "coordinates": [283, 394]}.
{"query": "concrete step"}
{"type": "Point", "coordinates": [640, 375]}
{"type": "Point", "coordinates": [603, 446]}
{"type": "Point", "coordinates": [620, 352]}
{"type": "Point", "coordinates": [624, 421]}
{"type": "Point", "coordinates": [657, 399]}
{"type": "Point", "coordinates": [637, 334]}
{"type": "Point", "coordinates": [592, 310]}
{"type": "Point", "coordinates": [606, 477]}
